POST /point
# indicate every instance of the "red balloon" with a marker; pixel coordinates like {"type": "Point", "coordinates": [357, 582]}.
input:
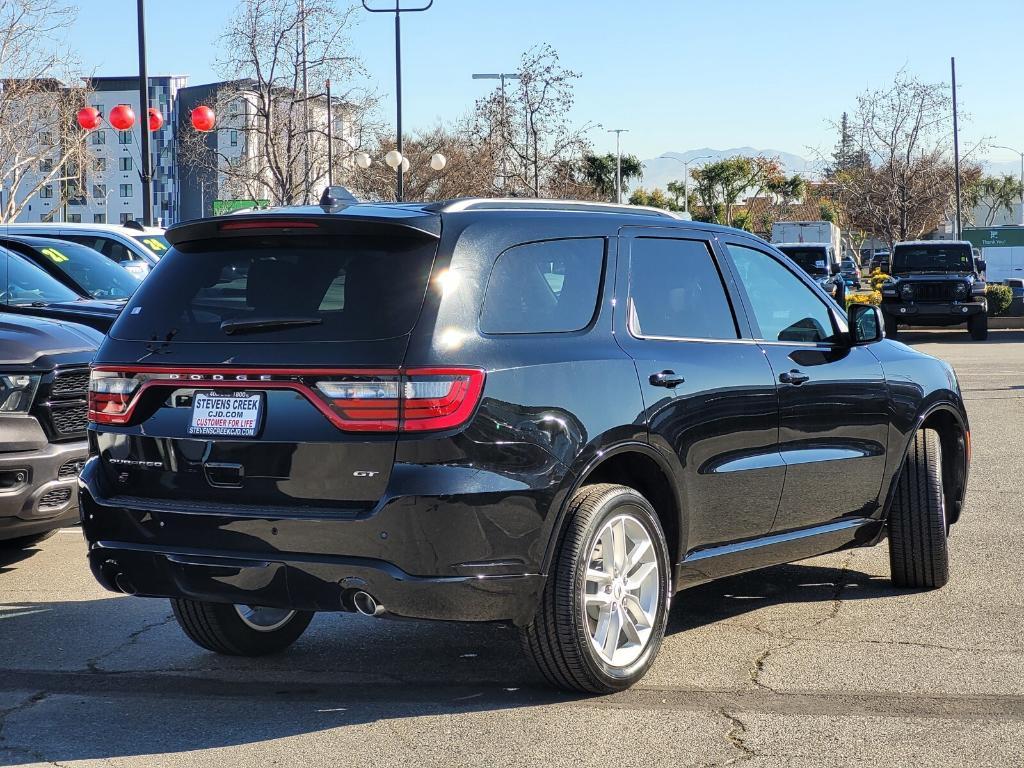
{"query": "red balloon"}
{"type": "Point", "coordinates": [203, 119]}
{"type": "Point", "coordinates": [122, 117]}
{"type": "Point", "coordinates": [89, 118]}
{"type": "Point", "coordinates": [156, 120]}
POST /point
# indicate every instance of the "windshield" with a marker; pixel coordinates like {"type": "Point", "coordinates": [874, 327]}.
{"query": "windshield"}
{"type": "Point", "coordinates": [97, 275]}
{"type": "Point", "coordinates": [811, 260]}
{"type": "Point", "coordinates": [932, 258]}
{"type": "Point", "coordinates": [28, 284]}
{"type": "Point", "coordinates": [156, 243]}
{"type": "Point", "coordinates": [288, 289]}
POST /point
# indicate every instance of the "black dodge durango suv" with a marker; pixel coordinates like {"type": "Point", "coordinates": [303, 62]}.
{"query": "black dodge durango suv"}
{"type": "Point", "coordinates": [554, 414]}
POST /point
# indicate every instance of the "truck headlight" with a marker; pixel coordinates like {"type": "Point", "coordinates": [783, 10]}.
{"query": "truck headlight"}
{"type": "Point", "coordinates": [907, 291]}
{"type": "Point", "coordinates": [978, 288]}
{"type": "Point", "coordinates": [960, 291]}
{"type": "Point", "coordinates": [17, 390]}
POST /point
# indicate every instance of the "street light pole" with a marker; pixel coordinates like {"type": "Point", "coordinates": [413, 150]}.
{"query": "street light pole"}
{"type": "Point", "coordinates": [502, 76]}
{"type": "Point", "coordinates": [398, 10]}
{"type": "Point", "coordinates": [686, 175]}
{"type": "Point", "coordinates": [956, 150]}
{"type": "Point", "coordinates": [618, 161]}
{"type": "Point", "coordinates": [1019, 152]}
{"type": "Point", "coordinates": [330, 137]}
{"type": "Point", "coordinates": [305, 102]}
{"type": "Point", "coordinates": [146, 162]}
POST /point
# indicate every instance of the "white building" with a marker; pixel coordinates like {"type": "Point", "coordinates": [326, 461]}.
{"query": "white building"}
{"type": "Point", "coordinates": [112, 191]}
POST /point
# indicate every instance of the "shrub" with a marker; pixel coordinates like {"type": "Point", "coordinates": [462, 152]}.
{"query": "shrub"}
{"type": "Point", "coordinates": [874, 298]}
{"type": "Point", "coordinates": [998, 298]}
{"type": "Point", "coordinates": [877, 277]}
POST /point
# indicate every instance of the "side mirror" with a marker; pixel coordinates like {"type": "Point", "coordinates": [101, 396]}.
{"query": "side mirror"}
{"type": "Point", "coordinates": [833, 268]}
{"type": "Point", "coordinates": [865, 321]}
{"type": "Point", "coordinates": [841, 292]}
{"type": "Point", "coordinates": [981, 265]}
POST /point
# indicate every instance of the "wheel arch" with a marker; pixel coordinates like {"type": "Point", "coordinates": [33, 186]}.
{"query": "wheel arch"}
{"type": "Point", "coordinates": [637, 465]}
{"type": "Point", "coordinates": [955, 439]}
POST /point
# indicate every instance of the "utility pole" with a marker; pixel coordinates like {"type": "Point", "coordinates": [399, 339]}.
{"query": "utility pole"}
{"type": "Point", "coordinates": [1017, 152]}
{"type": "Point", "coordinates": [502, 76]}
{"type": "Point", "coordinates": [956, 151]}
{"type": "Point", "coordinates": [145, 172]}
{"type": "Point", "coordinates": [330, 137]}
{"type": "Point", "coordinates": [305, 103]}
{"type": "Point", "coordinates": [398, 10]}
{"type": "Point", "coordinates": [618, 161]}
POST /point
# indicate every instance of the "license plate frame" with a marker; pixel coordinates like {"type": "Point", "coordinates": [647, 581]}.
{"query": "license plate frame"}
{"type": "Point", "coordinates": [229, 419]}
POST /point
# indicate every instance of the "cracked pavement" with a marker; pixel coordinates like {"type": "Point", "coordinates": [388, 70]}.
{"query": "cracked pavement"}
{"type": "Point", "coordinates": [818, 663]}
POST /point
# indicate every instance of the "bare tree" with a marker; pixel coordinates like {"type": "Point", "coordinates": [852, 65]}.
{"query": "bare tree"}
{"type": "Point", "coordinates": [899, 182]}
{"type": "Point", "coordinates": [41, 147]}
{"type": "Point", "coordinates": [527, 129]}
{"type": "Point", "coordinates": [262, 101]}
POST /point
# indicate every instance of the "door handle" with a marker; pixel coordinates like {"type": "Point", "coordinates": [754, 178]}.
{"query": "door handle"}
{"type": "Point", "coordinates": [793, 377]}
{"type": "Point", "coordinates": [669, 379]}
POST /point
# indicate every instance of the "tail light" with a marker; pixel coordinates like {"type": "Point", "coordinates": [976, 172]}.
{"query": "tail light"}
{"type": "Point", "coordinates": [110, 396]}
{"type": "Point", "coordinates": [417, 400]}
{"type": "Point", "coordinates": [409, 400]}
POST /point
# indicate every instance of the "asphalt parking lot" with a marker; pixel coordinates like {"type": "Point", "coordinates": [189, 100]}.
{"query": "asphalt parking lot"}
{"type": "Point", "coordinates": [813, 664]}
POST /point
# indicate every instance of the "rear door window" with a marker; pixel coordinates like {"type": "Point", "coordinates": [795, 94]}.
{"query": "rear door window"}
{"type": "Point", "coordinates": [676, 291]}
{"type": "Point", "coordinates": [108, 246]}
{"type": "Point", "coordinates": [347, 288]}
{"type": "Point", "coordinates": [544, 287]}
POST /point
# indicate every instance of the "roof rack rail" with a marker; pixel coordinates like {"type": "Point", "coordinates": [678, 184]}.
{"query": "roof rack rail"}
{"type": "Point", "coordinates": [540, 204]}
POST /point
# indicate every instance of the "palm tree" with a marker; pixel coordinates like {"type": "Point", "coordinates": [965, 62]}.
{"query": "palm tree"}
{"type": "Point", "coordinates": [998, 194]}
{"type": "Point", "coordinates": [599, 172]}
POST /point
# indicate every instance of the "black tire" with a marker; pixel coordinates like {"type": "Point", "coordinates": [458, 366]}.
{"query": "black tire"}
{"type": "Point", "coordinates": [918, 553]}
{"type": "Point", "coordinates": [218, 627]}
{"type": "Point", "coordinates": [557, 639]}
{"type": "Point", "coordinates": [24, 542]}
{"type": "Point", "coordinates": [978, 327]}
{"type": "Point", "coordinates": [891, 327]}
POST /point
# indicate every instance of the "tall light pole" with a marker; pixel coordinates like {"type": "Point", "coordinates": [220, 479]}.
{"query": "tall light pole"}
{"type": "Point", "coordinates": [1017, 151]}
{"type": "Point", "coordinates": [330, 137]}
{"type": "Point", "coordinates": [398, 10]}
{"type": "Point", "coordinates": [618, 161]}
{"type": "Point", "coordinates": [686, 175]}
{"type": "Point", "coordinates": [956, 150]}
{"type": "Point", "coordinates": [146, 162]}
{"type": "Point", "coordinates": [305, 102]}
{"type": "Point", "coordinates": [502, 76]}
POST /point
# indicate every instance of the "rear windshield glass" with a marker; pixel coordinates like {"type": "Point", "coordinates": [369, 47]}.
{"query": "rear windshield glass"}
{"type": "Point", "coordinates": [286, 289]}
{"type": "Point", "coordinates": [811, 260]}
{"type": "Point", "coordinates": [932, 258]}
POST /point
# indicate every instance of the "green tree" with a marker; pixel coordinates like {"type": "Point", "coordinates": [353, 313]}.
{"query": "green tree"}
{"type": "Point", "coordinates": [997, 193]}
{"type": "Point", "coordinates": [654, 198]}
{"type": "Point", "coordinates": [599, 171]}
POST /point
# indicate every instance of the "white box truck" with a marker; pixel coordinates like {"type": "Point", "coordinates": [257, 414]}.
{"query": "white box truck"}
{"type": "Point", "coordinates": [810, 242]}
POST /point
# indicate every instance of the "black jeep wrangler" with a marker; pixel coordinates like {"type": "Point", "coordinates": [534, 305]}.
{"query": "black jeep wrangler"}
{"type": "Point", "coordinates": [935, 282]}
{"type": "Point", "coordinates": [550, 413]}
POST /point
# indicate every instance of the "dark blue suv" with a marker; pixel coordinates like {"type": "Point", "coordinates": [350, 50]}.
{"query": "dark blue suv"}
{"type": "Point", "coordinates": [555, 414]}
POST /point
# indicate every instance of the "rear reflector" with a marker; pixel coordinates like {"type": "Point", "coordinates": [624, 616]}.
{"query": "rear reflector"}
{"type": "Point", "coordinates": [409, 400]}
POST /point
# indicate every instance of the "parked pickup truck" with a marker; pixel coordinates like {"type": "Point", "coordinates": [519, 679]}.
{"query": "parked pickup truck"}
{"type": "Point", "coordinates": [44, 379]}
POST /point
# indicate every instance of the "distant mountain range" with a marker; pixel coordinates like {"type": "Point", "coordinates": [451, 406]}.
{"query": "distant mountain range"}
{"type": "Point", "coordinates": [659, 171]}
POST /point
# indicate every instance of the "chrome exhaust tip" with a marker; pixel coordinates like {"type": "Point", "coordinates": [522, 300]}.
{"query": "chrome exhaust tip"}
{"type": "Point", "coordinates": [365, 604]}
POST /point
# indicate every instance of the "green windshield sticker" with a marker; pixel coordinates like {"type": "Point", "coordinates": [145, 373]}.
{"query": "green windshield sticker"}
{"type": "Point", "coordinates": [54, 255]}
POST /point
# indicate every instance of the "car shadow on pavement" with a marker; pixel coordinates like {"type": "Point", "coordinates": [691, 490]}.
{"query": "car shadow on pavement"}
{"type": "Point", "coordinates": [115, 677]}
{"type": "Point", "coordinates": [734, 596]}
{"type": "Point", "coordinates": [10, 556]}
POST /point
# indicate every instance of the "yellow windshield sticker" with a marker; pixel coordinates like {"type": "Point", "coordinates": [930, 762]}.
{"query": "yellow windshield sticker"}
{"type": "Point", "coordinates": [154, 245]}
{"type": "Point", "coordinates": [54, 255]}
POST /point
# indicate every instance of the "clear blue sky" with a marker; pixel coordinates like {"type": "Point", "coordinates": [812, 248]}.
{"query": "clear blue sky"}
{"type": "Point", "coordinates": [679, 74]}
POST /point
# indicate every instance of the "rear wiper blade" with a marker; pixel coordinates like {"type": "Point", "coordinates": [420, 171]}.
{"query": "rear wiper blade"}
{"type": "Point", "coordinates": [256, 324]}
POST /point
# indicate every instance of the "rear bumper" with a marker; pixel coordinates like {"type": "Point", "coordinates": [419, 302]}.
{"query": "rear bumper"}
{"type": "Point", "coordinates": [33, 499]}
{"type": "Point", "coordinates": [937, 312]}
{"type": "Point", "coordinates": [310, 584]}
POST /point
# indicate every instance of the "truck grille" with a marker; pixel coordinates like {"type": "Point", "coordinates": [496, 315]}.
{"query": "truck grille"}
{"type": "Point", "coordinates": [70, 421]}
{"type": "Point", "coordinates": [66, 414]}
{"type": "Point", "coordinates": [934, 291]}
